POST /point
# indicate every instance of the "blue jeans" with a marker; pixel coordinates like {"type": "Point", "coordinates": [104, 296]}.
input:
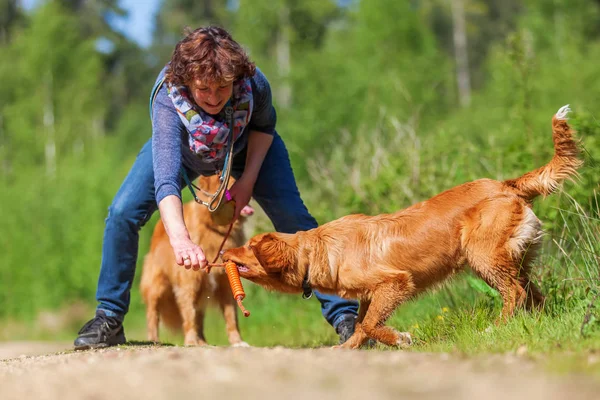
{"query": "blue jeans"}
{"type": "Point", "coordinates": [275, 191]}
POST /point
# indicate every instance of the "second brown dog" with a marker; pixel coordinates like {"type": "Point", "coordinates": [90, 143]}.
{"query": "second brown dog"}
{"type": "Point", "coordinates": [178, 296]}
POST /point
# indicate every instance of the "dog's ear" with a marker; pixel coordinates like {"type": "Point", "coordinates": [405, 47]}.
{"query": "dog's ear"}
{"type": "Point", "coordinates": [274, 253]}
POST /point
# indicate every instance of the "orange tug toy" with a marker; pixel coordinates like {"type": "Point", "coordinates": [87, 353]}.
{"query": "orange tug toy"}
{"type": "Point", "coordinates": [236, 285]}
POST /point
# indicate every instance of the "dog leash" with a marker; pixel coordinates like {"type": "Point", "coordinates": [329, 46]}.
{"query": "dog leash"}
{"type": "Point", "coordinates": [214, 262]}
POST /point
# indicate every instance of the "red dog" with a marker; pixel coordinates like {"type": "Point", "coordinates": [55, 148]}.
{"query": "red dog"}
{"type": "Point", "coordinates": [180, 296]}
{"type": "Point", "coordinates": [385, 260]}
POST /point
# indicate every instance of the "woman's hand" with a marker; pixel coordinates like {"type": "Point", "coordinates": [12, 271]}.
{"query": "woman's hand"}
{"type": "Point", "coordinates": [241, 192]}
{"type": "Point", "coordinates": [188, 254]}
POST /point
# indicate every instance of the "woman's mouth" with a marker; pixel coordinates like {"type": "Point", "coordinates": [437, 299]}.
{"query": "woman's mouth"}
{"type": "Point", "coordinates": [213, 105]}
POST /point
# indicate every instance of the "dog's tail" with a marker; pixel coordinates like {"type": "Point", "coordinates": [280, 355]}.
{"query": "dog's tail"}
{"type": "Point", "coordinates": [545, 180]}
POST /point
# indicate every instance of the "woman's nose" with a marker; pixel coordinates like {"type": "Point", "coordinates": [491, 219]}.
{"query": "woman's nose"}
{"type": "Point", "coordinates": [213, 94]}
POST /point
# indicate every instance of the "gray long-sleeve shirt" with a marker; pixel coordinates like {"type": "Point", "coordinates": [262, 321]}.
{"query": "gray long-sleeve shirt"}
{"type": "Point", "coordinates": [170, 148]}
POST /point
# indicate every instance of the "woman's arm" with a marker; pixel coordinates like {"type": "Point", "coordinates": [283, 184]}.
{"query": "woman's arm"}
{"type": "Point", "coordinates": [241, 191]}
{"type": "Point", "coordinates": [258, 145]}
{"type": "Point", "coordinates": [166, 153]}
{"type": "Point", "coordinates": [260, 136]}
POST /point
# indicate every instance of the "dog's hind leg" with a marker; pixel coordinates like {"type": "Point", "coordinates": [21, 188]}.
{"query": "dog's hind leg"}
{"type": "Point", "coordinates": [385, 299]}
{"type": "Point", "coordinates": [186, 301]}
{"type": "Point", "coordinates": [502, 275]}
{"type": "Point", "coordinates": [497, 237]}
{"type": "Point", "coordinates": [535, 298]}
{"type": "Point", "coordinates": [200, 316]}
{"type": "Point", "coordinates": [524, 245]}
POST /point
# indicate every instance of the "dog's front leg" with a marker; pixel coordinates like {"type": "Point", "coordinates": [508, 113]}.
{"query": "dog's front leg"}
{"type": "Point", "coordinates": [152, 319]}
{"type": "Point", "coordinates": [359, 337]}
{"type": "Point", "coordinates": [192, 316]}
{"type": "Point", "coordinates": [386, 298]}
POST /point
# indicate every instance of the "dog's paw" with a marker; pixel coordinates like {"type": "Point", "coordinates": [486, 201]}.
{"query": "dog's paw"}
{"type": "Point", "coordinates": [404, 339]}
{"type": "Point", "coordinates": [562, 112]}
{"type": "Point", "coordinates": [194, 342]}
{"type": "Point", "coordinates": [344, 346]}
{"type": "Point", "coordinates": [240, 344]}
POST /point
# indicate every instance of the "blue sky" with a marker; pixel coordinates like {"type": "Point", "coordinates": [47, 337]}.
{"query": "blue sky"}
{"type": "Point", "coordinates": [139, 23]}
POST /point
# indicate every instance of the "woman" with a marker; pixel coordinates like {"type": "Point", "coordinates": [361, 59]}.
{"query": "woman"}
{"type": "Point", "coordinates": [190, 133]}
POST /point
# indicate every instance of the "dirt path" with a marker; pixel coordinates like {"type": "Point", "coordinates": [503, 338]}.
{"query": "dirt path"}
{"type": "Point", "coordinates": [276, 373]}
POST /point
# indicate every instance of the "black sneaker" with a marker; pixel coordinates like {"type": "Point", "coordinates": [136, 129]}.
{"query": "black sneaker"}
{"type": "Point", "coordinates": [101, 331]}
{"type": "Point", "coordinates": [346, 327]}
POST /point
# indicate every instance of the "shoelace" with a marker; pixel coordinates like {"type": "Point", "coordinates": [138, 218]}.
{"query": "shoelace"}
{"type": "Point", "coordinates": [96, 321]}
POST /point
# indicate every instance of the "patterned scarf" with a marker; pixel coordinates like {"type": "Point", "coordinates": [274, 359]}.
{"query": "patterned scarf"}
{"type": "Point", "coordinates": [208, 136]}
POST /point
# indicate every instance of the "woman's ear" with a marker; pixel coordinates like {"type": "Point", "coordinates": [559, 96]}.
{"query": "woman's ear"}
{"type": "Point", "coordinates": [274, 253]}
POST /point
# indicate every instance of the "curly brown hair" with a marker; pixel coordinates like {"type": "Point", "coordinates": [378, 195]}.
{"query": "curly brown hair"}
{"type": "Point", "coordinates": [210, 55]}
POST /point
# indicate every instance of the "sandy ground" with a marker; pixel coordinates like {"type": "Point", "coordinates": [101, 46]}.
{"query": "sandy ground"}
{"type": "Point", "coordinates": [144, 372]}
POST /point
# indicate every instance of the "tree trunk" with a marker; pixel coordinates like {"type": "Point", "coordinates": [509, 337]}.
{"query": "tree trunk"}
{"type": "Point", "coordinates": [4, 149]}
{"type": "Point", "coordinates": [8, 16]}
{"type": "Point", "coordinates": [460, 52]}
{"type": "Point", "coordinates": [50, 148]}
{"type": "Point", "coordinates": [282, 49]}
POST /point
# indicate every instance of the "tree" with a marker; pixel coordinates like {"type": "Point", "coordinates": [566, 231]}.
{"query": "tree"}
{"type": "Point", "coordinates": [279, 34]}
{"type": "Point", "coordinates": [463, 77]}
{"type": "Point", "coordinates": [486, 22]}
{"type": "Point", "coordinates": [176, 15]}
{"type": "Point", "coordinates": [10, 16]}
{"type": "Point", "coordinates": [380, 59]}
{"type": "Point", "coordinates": [57, 100]}
{"type": "Point", "coordinates": [93, 17]}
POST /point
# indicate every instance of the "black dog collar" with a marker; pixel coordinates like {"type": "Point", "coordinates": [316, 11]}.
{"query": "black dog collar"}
{"type": "Point", "coordinates": [307, 291]}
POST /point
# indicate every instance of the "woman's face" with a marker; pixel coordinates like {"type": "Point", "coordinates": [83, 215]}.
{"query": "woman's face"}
{"type": "Point", "coordinates": [211, 97]}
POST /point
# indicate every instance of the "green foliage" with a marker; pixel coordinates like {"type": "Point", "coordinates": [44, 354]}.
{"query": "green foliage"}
{"type": "Point", "coordinates": [382, 60]}
{"type": "Point", "coordinates": [178, 15]}
{"type": "Point", "coordinates": [55, 89]}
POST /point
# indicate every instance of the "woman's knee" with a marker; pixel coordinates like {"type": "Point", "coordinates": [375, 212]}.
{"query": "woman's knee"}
{"type": "Point", "coordinates": [130, 210]}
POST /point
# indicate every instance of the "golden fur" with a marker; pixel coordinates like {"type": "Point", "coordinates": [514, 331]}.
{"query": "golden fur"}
{"type": "Point", "coordinates": [385, 260]}
{"type": "Point", "coordinates": [179, 296]}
